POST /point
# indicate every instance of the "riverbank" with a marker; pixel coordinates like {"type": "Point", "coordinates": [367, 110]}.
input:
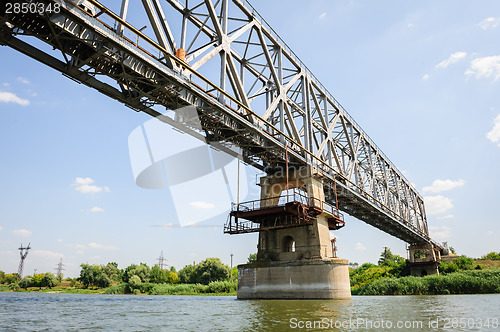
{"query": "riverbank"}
{"type": "Point", "coordinates": [218, 288]}
{"type": "Point", "coordinates": [464, 282]}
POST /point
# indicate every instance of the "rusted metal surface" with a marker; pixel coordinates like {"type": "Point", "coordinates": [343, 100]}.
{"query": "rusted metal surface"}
{"type": "Point", "coordinates": [291, 210]}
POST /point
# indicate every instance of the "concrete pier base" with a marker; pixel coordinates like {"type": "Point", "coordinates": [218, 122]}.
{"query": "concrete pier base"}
{"type": "Point", "coordinates": [298, 279]}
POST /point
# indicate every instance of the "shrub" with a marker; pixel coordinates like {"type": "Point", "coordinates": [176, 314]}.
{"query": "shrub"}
{"type": "Point", "coordinates": [49, 280]}
{"type": "Point", "coordinates": [173, 278]}
{"type": "Point", "coordinates": [122, 288]}
{"type": "Point", "coordinates": [25, 282]}
{"type": "Point", "coordinates": [466, 282]}
{"type": "Point", "coordinates": [134, 281]}
{"type": "Point", "coordinates": [14, 286]}
{"type": "Point", "coordinates": [222, 286]}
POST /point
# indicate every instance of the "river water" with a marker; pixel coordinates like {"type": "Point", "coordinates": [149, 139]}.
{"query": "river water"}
{"type": "Point", "coordinates": [71, 312]}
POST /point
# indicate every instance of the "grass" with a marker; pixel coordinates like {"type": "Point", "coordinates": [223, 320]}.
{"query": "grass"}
{"type": "Point", "coordinates": [217, 288]}
{"type": "Point", "coordinates": [214, 288]}
{"type": "Point", "coordinates": [487, 263]}
{"type": "Point", "coordinates": [465, 282]}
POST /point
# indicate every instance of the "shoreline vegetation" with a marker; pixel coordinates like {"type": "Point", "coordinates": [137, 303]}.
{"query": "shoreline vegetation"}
{"type": "Point", "coordinates": [209, 277]}
{"type": "Point", "coordinates": [458, 275]}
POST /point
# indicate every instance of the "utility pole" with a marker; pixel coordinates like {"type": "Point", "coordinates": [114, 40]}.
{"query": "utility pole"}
{"type": "Point", "coordinates": [232, 261]}
{"type": "Point", "coordinates": [161, 261]}
{"type": "Point", "coordinates": [59, 269]}
{"type": "Point", "coordinates": [23, 251]}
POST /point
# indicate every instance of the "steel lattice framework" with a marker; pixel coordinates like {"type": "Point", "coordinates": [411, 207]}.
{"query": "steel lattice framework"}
{"type": "Point", "coordinates": [249, 88]}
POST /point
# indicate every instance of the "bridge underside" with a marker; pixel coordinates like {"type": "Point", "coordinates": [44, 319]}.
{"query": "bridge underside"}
{"type": "Point", "coordinates": [94, 53]}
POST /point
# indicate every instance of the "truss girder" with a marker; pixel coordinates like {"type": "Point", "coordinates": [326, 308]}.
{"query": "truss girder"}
{"type": "Point", "coordinates": [272, 103]}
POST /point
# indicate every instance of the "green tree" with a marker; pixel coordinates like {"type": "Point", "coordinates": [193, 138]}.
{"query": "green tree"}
{"type": "Point", "coordinates": [89, 274]}
{"type": "Point", "coordinates": [492, 255]}
{"type": "Point", "coordinates": [49, 280]}
{"type": "Point", "coordinates": [37, 280]}
{"type": "Point", "coordinates": [2, 274]}
{"type": "Point", "coordinates": [464, 263]}
{"type": "Point", "coordinates": [389, 259]}
{"type": "Point", "coordinates": [446, 267]}
{"type": "Point", "coordinates": [234, 274]}
{"type": "Point", "coordinates": [172, 269]}
{"type": "Point", "coordinates": [157, 275]}
{"type": "Point", "coordinates": [173, 278]}
{"type": "Point", "coordinates": [112, 271]}
{"type": "Point", "coordinates": [252, 258]}
{"type": "Point", "coordinates": [368, 273]}
{"type": "Point", "coordinates": [11, 278]}
{"type": "Point", "coordinates": [142, 271]}
{"type": "Point", "coordinates": [134, 280]}
{"type": "Point", "coordinates": [102, 280]}
{"type": "Point", "coordinates": [212, 269]}
{"type": "Point", "coordinates": [187, 274]}
{"type": "Point", "coordinates": [25, 282]}
{"type": "Point", "coordinates": [452, 250]}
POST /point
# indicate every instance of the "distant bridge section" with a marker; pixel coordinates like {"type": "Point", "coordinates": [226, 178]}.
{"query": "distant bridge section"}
{"type": "Point", "coordinates": [249, 88]}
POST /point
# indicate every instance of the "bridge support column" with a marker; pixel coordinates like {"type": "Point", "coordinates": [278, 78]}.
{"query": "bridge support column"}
{"type": "Point", "coordinates": [294, 262]}
{"type": "Point", "coordinates": [424, 260]}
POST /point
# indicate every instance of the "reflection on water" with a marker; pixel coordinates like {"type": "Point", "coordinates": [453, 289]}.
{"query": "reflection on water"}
{"type": "Point", "coordinates": [63, 312]}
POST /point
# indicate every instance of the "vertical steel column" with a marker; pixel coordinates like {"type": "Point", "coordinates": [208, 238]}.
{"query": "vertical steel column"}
{"type": "Point", "coordinates": [223, 53]}
{"type": "Point", "coordinates": [123, 15]}
{"type": "Point", "coordinates": [281, 106]}
{"type": "Point", "coordinates": [307, 117]}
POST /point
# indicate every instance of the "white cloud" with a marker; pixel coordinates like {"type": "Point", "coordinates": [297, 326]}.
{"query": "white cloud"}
{"type": "Point", "coordinates": [454, 58]}
{"type": "Point", "coordinates": [443, 185]}
{"type": "Point", "coordinates": [494, 134]}
{"type": "Point", "coordinates": [80, 252]}
{"type": "Point", "coordinates": [85, 186]}
{"type": "Point", "coordinates": [84, 180]}
{"type": "Point", "coordinates": [440, 232]}
{"type": "Point", "coordinates": [360, 246]}
{"type": "Point", "coordinates": [322, 16]}
{"type": "Point", "coordinates": [437, 204]}
{"type": "Point", "coordinates": [485, 67]}
{"type": "Point", "coordinates": [101, 246]}
{"type": "Point", "coordinates": [77, 246]}
{"type": "Point", "coordinates": [60, 240]}
{"type": "Point", "coordinates": [1, 228]}
{"type": "Point", "coordinates": [47, 254]}
{"type": "Point", "coordinates": [425, 77]}
{"type": "Point", "coordinates": [23, 80]}
{"type": "Point", "coordinates": [448, 216]}
{"type": "Point", "coordinates": [96, 209]}
{"type": "Point", "coordinates": [202, 205]}
{"type": "Point", "coordinates": [9, 97]}
{"type": "Point", "coordinates": [489, 23]}
{"type": "Point", "coordinates": [6, 85]}
{"type": "Point", "coordinates": [22, 232]}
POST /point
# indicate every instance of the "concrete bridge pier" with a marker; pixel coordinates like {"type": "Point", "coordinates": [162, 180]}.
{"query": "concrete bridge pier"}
{"type": "Point", "coordinates": [424, 259]}
{"type": "Point", "coordinates": [295, 262]}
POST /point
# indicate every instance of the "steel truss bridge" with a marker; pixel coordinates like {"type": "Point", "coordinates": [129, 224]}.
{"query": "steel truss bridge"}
{"type": "Point", "coordinates": [249, 88]}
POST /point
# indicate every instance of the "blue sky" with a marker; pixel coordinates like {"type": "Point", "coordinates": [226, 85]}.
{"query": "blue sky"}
{"type": "Point", "coordinates": [421, 78]}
